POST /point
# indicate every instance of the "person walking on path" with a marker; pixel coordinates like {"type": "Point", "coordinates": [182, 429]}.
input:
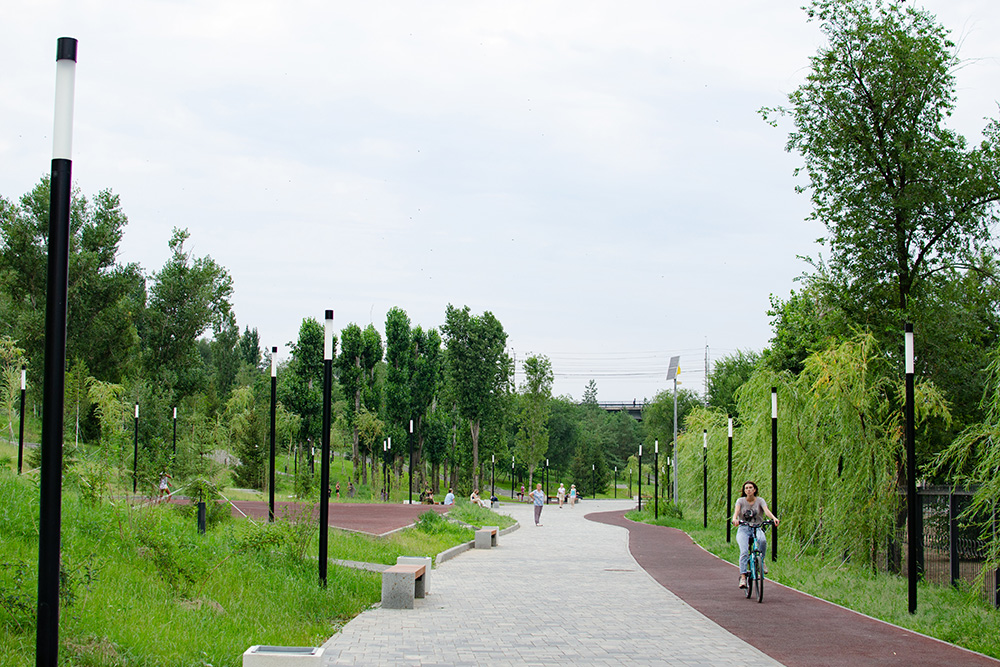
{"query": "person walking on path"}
{"type": "Point", "coordinates": [750, 509]}
{"type": "Point", "coordinates": [572, 495]}
{"type": "Point", "coordinates": [562, 494]}
{"type": "Point", "coordinates": [165, 485]}
{"type": "Point", "coordinates": [539, 497]}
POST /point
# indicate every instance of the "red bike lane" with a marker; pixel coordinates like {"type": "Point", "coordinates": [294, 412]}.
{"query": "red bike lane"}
{"type": "Point", "coordinates": [790, 626]}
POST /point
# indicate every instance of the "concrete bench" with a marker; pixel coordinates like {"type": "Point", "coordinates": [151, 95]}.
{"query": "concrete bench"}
{"type": "Point", "coordinates": [283, 656]}
{"type": "Point", "coordinates": [426, 561]}
{"type": "Point", "coordinates": [401, 584]}
{"type": "Point", "coordinates": [486, 537]}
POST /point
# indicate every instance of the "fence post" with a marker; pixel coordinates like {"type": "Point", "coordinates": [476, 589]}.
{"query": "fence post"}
{"type": "Point", "coordinates": [920, 533]}
{"type": "Point", "coordinates": [953, 537]}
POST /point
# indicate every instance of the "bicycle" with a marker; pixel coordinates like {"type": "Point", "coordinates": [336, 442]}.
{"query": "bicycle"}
{"type": "Point", "coordinates": [755, 568]}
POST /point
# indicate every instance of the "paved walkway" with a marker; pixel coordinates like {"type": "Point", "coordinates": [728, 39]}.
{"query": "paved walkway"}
{"type": "Point", "coordinates": [568, 592]}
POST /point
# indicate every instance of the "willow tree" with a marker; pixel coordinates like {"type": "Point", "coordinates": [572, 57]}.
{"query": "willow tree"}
{"type": "Point", "coordinates": [840, 437]}
{"type": "Point", "coordinates": [974, 459]}
{"type": "Point", "coordinates": [900, 194]}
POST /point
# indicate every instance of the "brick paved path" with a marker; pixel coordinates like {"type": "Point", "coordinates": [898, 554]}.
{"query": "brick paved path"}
{"type": "Point", "coordinates": [568, 592]}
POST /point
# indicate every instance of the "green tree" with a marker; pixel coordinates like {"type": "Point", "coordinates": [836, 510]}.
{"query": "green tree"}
{"type": "Point", "coordinates": [728, 374]}
{"type": "Point", "coordinates": [249, 348]}
{"type": "Point", "coordinates": [425, 385]}
{"type": "Point", "coordinates": [900, 194]}
{"type": "Point", "coordinates": [104, 297]}
{"type": "Point", "coordinates": [187, 296]}
{"type": "Point", "coordinates": [301, 386]}
{"type": "Point", "coordinates": [478, 367]}
{"type": "Point", "coordinates": [361, 351]}
{"type": "Point", "coordinates": [590, 393]}
{"type": "Point", "coordinates": [532, 441]}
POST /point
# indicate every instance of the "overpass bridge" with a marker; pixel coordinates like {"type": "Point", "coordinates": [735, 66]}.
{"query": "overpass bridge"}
{"type": "Point", "coordinates": [633, 408]}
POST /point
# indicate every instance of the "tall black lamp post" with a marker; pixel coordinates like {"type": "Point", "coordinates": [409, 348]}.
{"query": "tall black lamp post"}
{"type": "Point", "coordinates": [54, 384]}
{"type": "Point", "coordinates": [512, 477]}
{"type": "Point", "coordinates": [175, 431]}
{"type": "Point", "coordinates": [639, 476]}
{"type": "Point", "coordinates": [135, 453]}
{"type": "Point", "coordinates": [20, 436]}
{"type": "Point", "coordinates": [274, 410]}
{"type": "Point", "coordinates": [729, 482]}
{"type": "Point", "coordinates": [616, 482]}
{"type": "Point", "coordinates": [774, 470]}
{"type": "Point", "coordinates": [411, 462]}
{"type": "Point", "coordinates": [911, 476]}
{"type": "Point", "coordinates": [704, 478]}
{"type": "Point", "coordinates": [324, 467]}
{"type": "Point", "coordinates": [493, 477]}
{"type": "Point", "coordinates": [656, 478]}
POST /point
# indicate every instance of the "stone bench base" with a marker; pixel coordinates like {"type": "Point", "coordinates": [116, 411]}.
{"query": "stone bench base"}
{"type": "Point", "coordinates": [283, 656]}
{"type": "Point", "coordinates": [401, 584]}
{"type": "Point", "coordinates": [486, 537]}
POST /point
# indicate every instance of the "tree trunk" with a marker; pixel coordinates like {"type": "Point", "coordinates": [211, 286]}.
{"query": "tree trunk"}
{"type": "Point", "coordinates": [474, 426]}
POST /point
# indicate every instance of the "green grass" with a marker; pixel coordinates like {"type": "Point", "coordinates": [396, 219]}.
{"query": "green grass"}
{"type": "Point", "coordinates": [144, 589]}
{"type": "Point", "coordinates": [956, 616]}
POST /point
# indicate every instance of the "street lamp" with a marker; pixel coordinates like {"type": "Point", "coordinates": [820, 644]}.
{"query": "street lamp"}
{"type": "Point", "coordinates": [411, 463]}
{"type": "Point", "coordinates": [273, 453]}
{"type": "Point", "coordinates": [774, 470]}
{"type": "Point", "coordinates": [729, 482]}
{"type": "Point", "coordinates": [704, 479]}
{"type": "Point", "coordinates": [135, 454]}
{"type": "Point", "coordinates": [512, 477]}
{"type": "Point", "coordinates": [616, 482]}
{"type": "Point", "coordinates": [493, 477]}
{"type": "Point", "coordinates": [20, 437]}
{"type": "Point", "coordinates": [656, 478]}
{"type": "Point", "coordinates": [912, 507]}
{"type": "Point", "coordinates": [640, 476]}
{"type": "Point", "coordinates": [324, 472]}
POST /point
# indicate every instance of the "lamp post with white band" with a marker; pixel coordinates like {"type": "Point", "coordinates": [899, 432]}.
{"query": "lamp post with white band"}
{"type": "Point", "coordinates": [774, 470]}
{"type": "Point", "coordinates": [54, 382]}
{"type": "Point", "coordinates": [911, 476]}
{"type": "Point", "coordinates": [274, 410]}
{"type": "Point", "coordinates": [20, 436]}
{"type": "Point", "coordinates": [656, 478]}
{"type": "Point", "coordinates": [729, 482]}
{"type": "Point", "coordinates": [324, 468]}
{"type": "Point", "coordinates": [135, 453]}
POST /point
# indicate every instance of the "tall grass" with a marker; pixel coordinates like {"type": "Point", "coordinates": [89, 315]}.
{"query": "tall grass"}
{"type": "Point", "coordinates": [142, 588]}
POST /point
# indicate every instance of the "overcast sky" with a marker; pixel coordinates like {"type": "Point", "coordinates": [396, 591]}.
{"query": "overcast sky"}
{"type": "Point", "coordinates": [594, 173]}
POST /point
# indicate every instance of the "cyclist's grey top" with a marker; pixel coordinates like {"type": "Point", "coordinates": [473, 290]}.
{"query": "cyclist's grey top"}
{"type": "Point", "coordinates": [565, 592]}
{"type": "Point", "coordinates": [757, 507]}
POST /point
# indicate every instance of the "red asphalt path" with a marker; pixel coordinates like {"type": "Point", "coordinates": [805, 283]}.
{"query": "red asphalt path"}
{"type": "Point", "coordinates": [791, 627]}
{"type": "Point", "coordinates": [371, 518]}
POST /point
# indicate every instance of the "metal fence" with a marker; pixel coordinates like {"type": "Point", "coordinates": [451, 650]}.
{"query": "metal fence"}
{"type": "Point", "coordinates": [950, 550]}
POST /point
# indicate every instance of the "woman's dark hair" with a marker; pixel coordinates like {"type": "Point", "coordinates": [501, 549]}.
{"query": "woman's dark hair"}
{"type": "Point", "coordinates": [743, 493]}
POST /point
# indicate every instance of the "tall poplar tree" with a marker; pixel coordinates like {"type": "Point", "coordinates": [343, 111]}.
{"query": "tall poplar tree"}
{"type": "Point", "coordinates": [478, 367]}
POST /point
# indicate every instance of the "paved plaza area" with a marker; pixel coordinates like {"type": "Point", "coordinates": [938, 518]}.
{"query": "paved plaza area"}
{"type": "Point", "coordinates": [566, 592]}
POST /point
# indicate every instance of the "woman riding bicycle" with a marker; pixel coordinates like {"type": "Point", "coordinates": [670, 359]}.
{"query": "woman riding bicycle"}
{"type": "Point", "coordinates": [750, 509]}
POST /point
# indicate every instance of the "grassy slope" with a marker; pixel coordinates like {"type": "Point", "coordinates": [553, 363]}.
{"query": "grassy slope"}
{"type": "Point", "coordinates": [146, 590]}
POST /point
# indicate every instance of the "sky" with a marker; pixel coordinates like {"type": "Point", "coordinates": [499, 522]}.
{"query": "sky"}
{"type": "Point", "coordinates": [595, 174]}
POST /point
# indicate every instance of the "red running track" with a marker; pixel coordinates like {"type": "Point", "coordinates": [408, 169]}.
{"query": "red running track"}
{"type": "Point", "coordinates": [371, 518]}
{"type": "Point", "coordinates": [791, 627]}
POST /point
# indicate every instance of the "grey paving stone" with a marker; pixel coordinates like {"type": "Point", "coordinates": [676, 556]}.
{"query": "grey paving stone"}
{"type": "Point", "coordinates": [566, 591]}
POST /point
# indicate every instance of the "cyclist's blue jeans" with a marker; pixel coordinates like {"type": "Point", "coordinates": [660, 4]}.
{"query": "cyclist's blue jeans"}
{"type": "Point", "coordinates": [743, 539]}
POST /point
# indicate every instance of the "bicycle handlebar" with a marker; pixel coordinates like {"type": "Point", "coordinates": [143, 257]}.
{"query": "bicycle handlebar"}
{"type": "Point", "coordinates": [763, 524]}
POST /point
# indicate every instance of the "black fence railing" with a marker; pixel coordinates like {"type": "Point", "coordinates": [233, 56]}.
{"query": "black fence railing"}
{"type": "Point", "coordinates": [951, 551]}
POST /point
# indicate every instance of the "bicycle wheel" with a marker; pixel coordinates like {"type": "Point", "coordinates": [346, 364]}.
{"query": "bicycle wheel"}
{"type": "Point", "coordinates": [750, 576]}
{"type": "Point", "coordinates": [759, 567]}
